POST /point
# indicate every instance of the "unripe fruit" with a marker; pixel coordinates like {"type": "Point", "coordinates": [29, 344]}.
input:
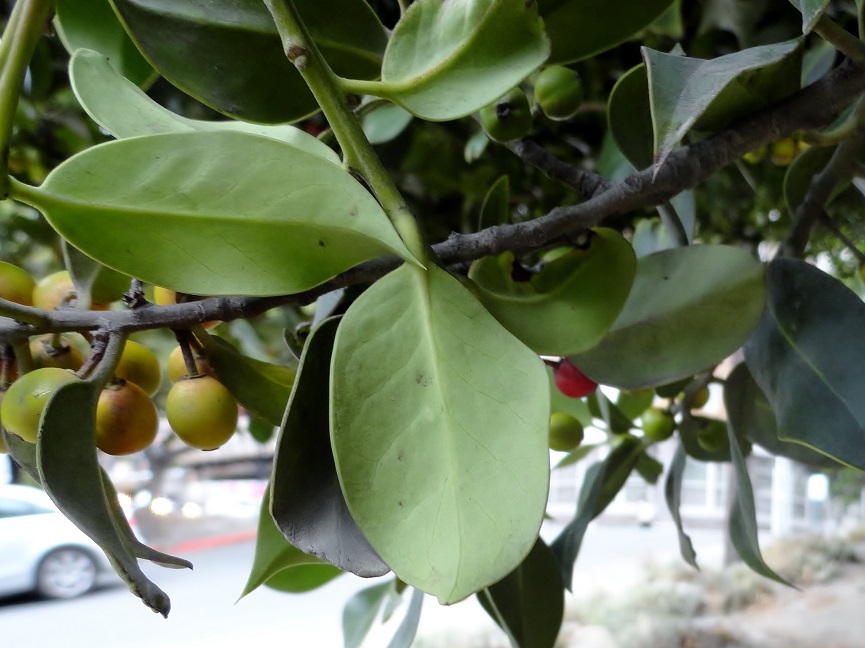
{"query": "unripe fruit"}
{"type": "Point", "coordinates": [24, 401]}
{"type": "Point", "coordinates": [53, 291]}
{"type": "Point", "coordinates": [15, 284]}
{"type": "Point", "coordinates": [573, 382]}
{"type": "Point", "coordinates": [559, 92]}
{"type": "Point", "coordinates": [509, 118]}
{"type": "Point", "coordinates": [126, 419]}
{"type": "Point", "coordinates": [566, 432]}
{"type": "Point", "coordinates": [3, 448]}
{"type": "Point", "coordinates": [177, 365]}
{"type": "Point", "coordinates": [713, 437]}
{"type": "Point", "coordinates": [700, 398]}
{"type": "Point", "coordinates": [202, 412]}
{"type": "Point", "coordinates": [658, 425]}
{"type": "Point", "coordinates": [139, 365]}
{"type": "Point", "coordinates": [783, 151]}
{"type": "Point", "coordinates": [48, 351]}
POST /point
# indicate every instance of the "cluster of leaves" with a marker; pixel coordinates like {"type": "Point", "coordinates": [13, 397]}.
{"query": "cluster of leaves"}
{"type": "Point", "coordinates": [414, 438]}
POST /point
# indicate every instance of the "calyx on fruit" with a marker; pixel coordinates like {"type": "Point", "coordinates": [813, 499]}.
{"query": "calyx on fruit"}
{"type": "Point", "coordinates": [571, 381]}
{"type": "Point", "coordinates": [177, 366]}
{"type": "Point", "coordinates": [566, 432]}
{"type": "Point", "coordinates": [559, 92]}
{"type": "Point", "coordinates": [570, 304]}
{"type": "Point", "coordinates": [126, 419]}
{"type": "Point", "coordinates": [55, 351]}
{"type": "Point", "coordinates": [27, 397]}
{"type": "Point", "coordinates": [201, 411]}
{"type": "Point", "coordinates": [508, 118]}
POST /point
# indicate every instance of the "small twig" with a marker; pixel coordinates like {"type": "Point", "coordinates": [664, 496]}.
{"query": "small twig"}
{"type": "Point", "coordinates": [98, 345]}
{"type": "Point", "coordinates": [183, 339]}
{"type": "Point", "coordinates": [586, 183]}
{"type": "Point", "coordinates": [830, 225]}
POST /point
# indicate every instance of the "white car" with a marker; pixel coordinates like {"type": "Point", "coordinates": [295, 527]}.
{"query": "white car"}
{"type": "Point", "coordinates": [43, 552]}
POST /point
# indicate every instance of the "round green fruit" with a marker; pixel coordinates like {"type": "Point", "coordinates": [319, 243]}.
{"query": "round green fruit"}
{"type": "Point", "coordinates": [55, 351]}
{"type": "Point", "coordinates": [177, 365]}
{"type": "Point", "coordinates": [566, 432]}
{"type": "Point", "coordinates": [27, 397]}
{"type": "Point", "coordinates": [15, 284]}
{"type": "Point", "coordinates": [126, 419]}
{"type": "Point", "coordinates": [658, 425]}
{"type": "Point", "coordinates": [700, 398]}
{"type": "Point", "coordinates": [559, 92]}
{"type": "Point", "coordinates": [139, 365]}
{"type": "Point", "coordinates": [509, 118]}
{"type": "Point", "coordinates": [201, 411]}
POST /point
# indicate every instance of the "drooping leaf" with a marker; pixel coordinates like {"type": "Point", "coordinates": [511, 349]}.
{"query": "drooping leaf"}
{"type": "Point", "coordinates": [121, 108]}
{"type": "Point", "coordinates": [649, 468]}
{"type": "Point", "coordinates": [581, 28]}
{"type": "Point", "coordinates": [570, 304]}
{"type": "Point", "coordinates": [689, 309]}
{"type": "Point", "coordinates": [529, 603]}
{"type": "Point", "coordinates": [93, 25]}
{"type": "Point", "coordinates": [228, 55]}
{"type": "Point", "coordinates": [214, 213]}
{"type": "Point", "coordinates": [385, 123]}
{"type": "Point", "coordinates": [360, 612]}
{"type": "Point", "coordinates": [496, 208]}
{"type": "Point", "coordinates": [811, 11]}
{"type": "Point", "coordinates": [673, 497]}
{"type": "Point", "coordinates": [307, 503]}
{"type": "Point", "coordinates": [447, 60]}
{"type": "Point", "coordinates": [407, 629]}
{"type": "Point", "coordinates": [808, 364]}
{"type": "Point", "coordinates": [439, 426]}
{"type": "Point", "coordinates": [630, 117]}
{"type": "Point", "coordinates": [262, 388]}
{"type": "Point", "coordinates": [682, 89]}
{"type": "Point", "coordinates": [280, 564]}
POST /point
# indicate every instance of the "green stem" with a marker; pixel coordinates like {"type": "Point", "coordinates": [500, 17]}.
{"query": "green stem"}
{"type": "Point", "coordinates": [841, 39]}
{"type": "Point", "coordinates": [27, 28]}
{"type": "Point", "coordinates": [330, 93]}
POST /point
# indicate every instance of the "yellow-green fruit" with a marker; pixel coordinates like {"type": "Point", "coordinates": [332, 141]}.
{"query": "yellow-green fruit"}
{"type": "Point", "coordinates": [701, 397]}
{"type": "Point", "coordinates": [126, 419]}
{"type": "Point", "coordinates": [177, 366]}
{"type": "Point", "coordinates": [3, 448]}
{"type": "Point", "coordinates": [54, 290]}
{"type": "Point", "coordinates": [783, 151]}
{"type": "Point", "coordinates": [559, 92]}
{"type": "Point", "coordinates": [15, 284]}
{"type": "Point", "coordinates": [202, 412]}
{"type": "Point", "coordinates": [713, 437]}
{"type": "Point", "coordinates": [658, 425]}
{"type": "Point", "coordinates": [566, 432]}
{"type": "Point", "coordinates": [26, 398]}
{"type": "Point", "coordinates": [509, 118]}
{"type": "Point", "coordinates": [60, 352]}
{"type": "Point", "coordinates": [756, 156]}
{"type": "Point", "coordinates": [139, 365]}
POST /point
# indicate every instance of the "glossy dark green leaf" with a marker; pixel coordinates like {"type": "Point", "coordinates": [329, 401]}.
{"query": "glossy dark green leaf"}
{"type": "Point", "coordinates": [629, 115]}
{"type": "Point", "coordinates": [682, 89]}
{"type": "Point", "coordinates": [689, 309]}
{"type": "Point", "coordinates": [581, 28]}
{"type": "Point", "coordinates": [743, 529]}
{"type": "Point", "coordinates": [496, 208]}
{"type": "Point", "coordinates": [184, 211]}
{"type": "Point", "coordinates": [227, 54]}
{"type": "Point", "coordinates": [407, 629]}
{"type": "Point", "coordinates": [811, 11]}
{"type": "Point", "coordinates": [808, 361]}
{"type": "Point", "coordinates": [673, 497]}
{"type": "Point", "coordinates": [307, 502]}
{"type": "Point", "coordinates": [262, 388]}
{"type": "Point", "coordinates": [603, 480]}
{"type": "Point", "coordinates": [439, 426]}
{"type": "Point", "coordinates": [121, 108]}
{"type": "Point", "coordinates": [447, 60]}
{"type": "Point", "coordinates": [360, 612]}
{"type": "Point", "coordinates": [529, 603]}
{"type": "Point", "coordinates": [751, 416]}
{"type": "Point", "coordinates": [93, 25]}
{"type": "Point", "coordinates": [649, 468]}
{"type": "Point", "coordinates": [70, 473]}
{"type": "Point", "coordinates": [280, 564]}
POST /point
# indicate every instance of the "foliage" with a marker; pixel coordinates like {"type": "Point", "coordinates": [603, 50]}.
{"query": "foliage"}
{"type": "Point", "coordinates": [270, 160]}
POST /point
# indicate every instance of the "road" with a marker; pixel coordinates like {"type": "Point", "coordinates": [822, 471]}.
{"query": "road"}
{"type": "Point", "coordinates": [204, 613]}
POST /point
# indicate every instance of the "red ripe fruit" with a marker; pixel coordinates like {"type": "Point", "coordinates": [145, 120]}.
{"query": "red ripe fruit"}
{"type": "Point", "coordinates": [573, 382]}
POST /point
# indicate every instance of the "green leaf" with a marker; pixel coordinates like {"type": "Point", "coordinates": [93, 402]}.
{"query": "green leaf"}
{"type": "Point", "coordinates": [447, 60]}
{"type": "Point", "coordinates": [682, 89]}
{"type": "Point", "coordinates": [407, 630]}
{"type": "Point", "coordinates": [496, 208]}
{"type": "Point", "coordinates": [808, 363]}
{"type": "Point", "coordinates": [121, 108]}
{"type": "Point", "coordinates": [69, 472]}
{"type": "Point", "coordinates": [673, 496]}
{"type": "Point", "coordinates": [570, 304]}
{"type": "Point", "coordinates": [385, 123]}
{"type": "Point", "coordinates": [797, 180]}
{"type": "Point", "coordinates": [360, 612]}
{"type": "Point", "coordinates": [215, 213]}
{"type": "Point", "coordinates": [92, 24]}
{"type": "Point", "coordinates": [261, 387]}
{"type": "Point", "coordinates": [649, 468]}
{"type": "Point", "coordinates": [529, 603]}
{"type": "Point", "coordinates": [280, 564]}
{"type": "Point", "coordinates": [714, 446]}
{"type": "Point", "coordinates": [811, 11]}
{"type": "Point", "coordinates": [751, 416]}
{"type": "Point", "coordinates": [634, 403]}
{"type": "Point", "coordinates": [601, 407]}
{"type": "Point", "coordinates": [228, 55]}
{"type": "Point", "coordinates": [307, 503]}
{"type": "Point", "coordinates": [439, 426]}
{"type": "Point", "coordinates": [689, 309]}
{"type": "Point", "coordinates": [94, 283]}
{"type": "Point", "coordinates": [630, 117]}
{"type": "Point", "coordinates": [575, 456]}
{"type": "Point", "coordinates": [579, 29]}
{"type": "Point", "coordinates": [817, 61]}
{"type": "Point", "coordinates": [743, 517]}
{"type": "Point", "coordinates": [260, 430]}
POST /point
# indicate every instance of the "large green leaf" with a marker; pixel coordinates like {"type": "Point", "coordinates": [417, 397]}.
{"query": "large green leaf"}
{"type": "Point", "coordinates": [570, 304]}
{"type": "Point", "coordinates": [689, 309]}
{"type": "Point", "coordinates": [227, 53]}
{"type": "Point", "coordinates": [811, 11]}
{"type": "Point", "coordinates": [448, 59]}
{"type": "Point", "coordinates": [580, 28]}
{"type": "Point", "coordinates": [307, 503]}
{"type": "Point", "coordinates": [92, 24]}
{"type": "Point", "coordinates": [439, 426]}
{"type": "Point", "coordinates": [121, 108]}
{"type": "Point", "coordinates": [529, 603]}
{"type": "Point", "coordinates": [809, 361]}
{"type": "Point", "coordinates": [215, 213]}
{"type": "Point", "coordinates": [682, 89]}
{"type": "Point", "coordinates": [673, 497]}
{"type": "Point", "coordinates": [630, 117]}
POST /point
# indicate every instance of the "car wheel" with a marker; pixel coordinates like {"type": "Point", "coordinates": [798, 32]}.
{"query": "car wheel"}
{"type": "Point", "coordinates": [65, 573]}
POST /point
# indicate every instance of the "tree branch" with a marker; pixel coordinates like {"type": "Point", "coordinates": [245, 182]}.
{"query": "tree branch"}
{"type": "Point", "coordinates": [585, 183]}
